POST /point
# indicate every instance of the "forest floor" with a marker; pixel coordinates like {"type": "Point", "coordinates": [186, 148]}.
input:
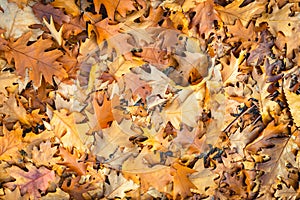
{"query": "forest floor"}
{"type": "Point", "coordinates": [149, 99]}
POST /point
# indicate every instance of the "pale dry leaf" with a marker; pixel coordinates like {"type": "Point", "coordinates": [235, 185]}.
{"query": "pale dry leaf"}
{"type": "Point", "coordinates": [7, 80]}
{"type": "Point", "coordinates": [65, 128]}
{"type": "Point", "coordinates": [57, 35]}
{"type": "Point", "coordinates": [16, 20]}
{"type": "Point", "coordinates": [118, 186]}
{"type": "Point", "coordinates": [203, 179]}
{"type": "Point", "coordinates": [44, 154]}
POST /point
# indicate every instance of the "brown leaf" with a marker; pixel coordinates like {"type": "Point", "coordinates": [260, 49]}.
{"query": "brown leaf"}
{"type": "Point", "coordinates": [204, 17]}
{"type": "Point", "coordinates": [35, 59]}
{"type": "Point", "coordinates": [136, 169]}
{"type": "Point", "coordinates": [75, 189]}
{"type": "Point", "coordinates": [264, 139]}
{"type": "Point", "coordinates": [44, 154]}
{"type": "Point", "coordinates": [41, 10]}
{"type": "Point", "coordinates": [20, 3]}
{"type": "Point", "coordinates": [67, 130]}
{"type": "Point", "coordinates": [234, 11]}
{"type": "Point", "coordinates": [7, 80]}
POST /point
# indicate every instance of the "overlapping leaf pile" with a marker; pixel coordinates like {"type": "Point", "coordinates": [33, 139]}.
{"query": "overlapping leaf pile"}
{"type": "Point", "coordinates": [149, 99]}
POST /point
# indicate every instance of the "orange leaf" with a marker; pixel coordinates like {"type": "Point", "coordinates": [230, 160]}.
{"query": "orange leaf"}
{"type": "Point", "coordinates": [103, 110]}
{"type": "Point", "coordinates": [10, 144]}
{"type": "Point", "coordinates": [112, 6]}
{"type": "Point", "coordinates": [69, 6]}
{"type": "Point", "coordinates": [72, 162]}
{"type": "Point", "coordinates": [182, 184]}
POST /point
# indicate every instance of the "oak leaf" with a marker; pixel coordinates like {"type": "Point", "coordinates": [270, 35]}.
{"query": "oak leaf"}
{"type": "Point", "coordinates": [40, 10]}
{"type": "Point", "coordinates": [22, 18]}
{"type": "Point", "coordinates": [279, 20]}
{"type": "Point", "coordinates": [76, 189]}
{"type": "Point", "coordinates": [182, 183]}
{"type": "Point", "coordinates": [271, 131]}
{"type": "Point", "coordinates": [122, 7]}
{"type": "Point", "coordinates": [20, 3]}
{"type": "Point", "coordinates": [57, 35]}
{"type": "Point", "coordinates": [293, 101]}
{"type": "Point", "coordinates": [35, 59]}
{"type": "Point", "coordinates": [14, 111]}
{"type": "Point", "coordinates": [72, 162]}
{"type": "Point", "coordinates": [31, 181]}
{"type": "Point", "coordinates": [182, 109]}
{"type": "Point", "coordinates": [113, 139]}
{"type": "Point", "coordinates": [234, 11]}
{"type": "Point", "coordinates": [204, 18]}
{"type": "Point", "coordinates": [69, 6]}
{"type": "Point", "coordinates": [65, 128]}
{"type": "Point", "coordinates": [103, 109]}
{"type": "Point", "coordinates": [203, 179]}
{"type": "Point", "coordinates": [118, 186]}
{"type": "Point", "coordinates": [7, 80]}
{"type": "Point", "coordinates": [15, 194]}
{"type": "Point", "coordinates": [10, 144]}
{"type": "Point", "coordinates": [107, 31]}
{"type": "Point", "coordinates": [44, 154]}
{"type": "Point", "coordinates": [241, 33]}
{"type": "Point", "coordinates": [137, 169]}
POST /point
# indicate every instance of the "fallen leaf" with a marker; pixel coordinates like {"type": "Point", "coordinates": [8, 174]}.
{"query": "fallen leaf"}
{"type": "Point", "coordinates": [32, 181]}
{"type": "Point", "coordinates": [103, 109]}
{"type": "Point", "coordinates": [35, 59]}
{"type": "Point", "coordinates": [22, 18]}
{"type": "Point", "coordinates": [41, 11]}
{"type": "Point", "coordinates": [69, 6]}
{"type": "Point", "coordinates": [57, 35]}
{"type": "Point", "coordinates": [182, 183]}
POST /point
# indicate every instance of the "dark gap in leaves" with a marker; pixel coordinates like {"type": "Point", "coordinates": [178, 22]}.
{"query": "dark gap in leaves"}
{"type": "Point", "coordinates": [245, 3]}
{"type": "Point", "coordinates": [23, 153]}
{"type": "Point", "coordinates": [25, 131]}
{"type": "Point", "coordinates": [179, 27]}
{"type": "Point", "coordinates": [137, 20]}
{"type": "Point", "coordinates": [216, 25]}
{"type": "Point", "coordinates": [47, 1]}
{"type": "Point", "coordinates": [192, 15]}
{"type": "Point", "coordinates": [103, 11]}
{"type": "Point", "coordinates": [91, 8]}
{"type": "Point", "coordinates": [161, 22]}
{"type": "Point", "coordinates": [8, 70]}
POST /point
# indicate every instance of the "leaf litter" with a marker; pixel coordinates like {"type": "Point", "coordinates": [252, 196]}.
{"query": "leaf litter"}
{"type": "Point", "coordinates": [143, 99]}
